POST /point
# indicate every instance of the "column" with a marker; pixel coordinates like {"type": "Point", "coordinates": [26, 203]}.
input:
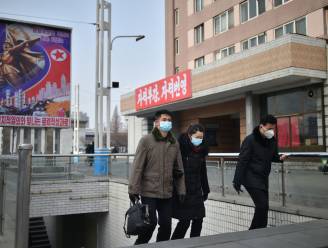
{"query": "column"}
{"type": "Point", "coordinates": [252, 112]}
{"type": "Point", "coordinates": [33, 138]}
{"type": "Point", "coordinates": [54, 141]}
{"type": "Point", "coordinates": [21, 136]}
{"type": "Point", "coordinates": [43, 140]}
{"type": "Point", "coordinates": [325, 110]}
{"type": "Point", "coordinates": [1, 139]}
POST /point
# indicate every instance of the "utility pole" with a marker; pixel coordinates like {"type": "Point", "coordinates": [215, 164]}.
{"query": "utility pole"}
{"type": "Point", "coordinates": [76, 120]}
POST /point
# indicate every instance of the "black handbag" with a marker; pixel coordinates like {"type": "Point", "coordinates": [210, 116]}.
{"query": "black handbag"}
{"type": "Point", "coordinates": [136, 219]}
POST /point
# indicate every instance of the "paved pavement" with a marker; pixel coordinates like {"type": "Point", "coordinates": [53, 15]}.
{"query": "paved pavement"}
{"type": "Point", "coordinates": [306, 235]}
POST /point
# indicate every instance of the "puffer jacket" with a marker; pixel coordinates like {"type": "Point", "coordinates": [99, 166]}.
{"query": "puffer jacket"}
{"type": "Point", "coordinates": [255, 158]}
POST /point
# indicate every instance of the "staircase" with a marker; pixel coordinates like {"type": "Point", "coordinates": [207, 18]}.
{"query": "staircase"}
{"type": "Point", "coordinates": [38, 237]}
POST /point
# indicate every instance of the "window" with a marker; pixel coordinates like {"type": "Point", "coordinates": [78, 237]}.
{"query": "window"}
{"type": "Point", "coordinates": [223, 22]}
{"type": "Point", "coordinates": [301, 26]}
{"type": "Point", "coordinates": [299, 118]}
{"type": "Point", "coordinates": [279, 2]}
{"type": "Point", "coordinates": [199, 34]}
{"type": "Point", "coordinates": [199, 62]}
{"type": "Point", "coordinates": [224, 52]}
{"type": "Point", "coordinates": [254, 41]}
{"type": "Point", "coordinates": [176, 46]}
{"type": "Point", "coordinates": [251, 8]}
{"type": "Point", "coordinates": [176, 16]}
{"type": "Point", "coordinates": [198, 5]}
{"type": "Point", "coordinates": [298, 26]}
{"type": "Point", "coordinates": [177, 69]}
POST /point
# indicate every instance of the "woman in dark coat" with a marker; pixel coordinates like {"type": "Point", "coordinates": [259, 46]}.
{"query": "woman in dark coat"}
{"type": "Point", "coordinates": [192, 210]}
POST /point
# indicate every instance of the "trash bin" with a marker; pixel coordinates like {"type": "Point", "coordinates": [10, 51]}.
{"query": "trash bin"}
{"type": "Point", "coordinates": [101, 163]}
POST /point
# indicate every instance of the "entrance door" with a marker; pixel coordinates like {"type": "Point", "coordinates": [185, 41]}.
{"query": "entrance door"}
{"type": "Point", "coordinates": [222, 133]}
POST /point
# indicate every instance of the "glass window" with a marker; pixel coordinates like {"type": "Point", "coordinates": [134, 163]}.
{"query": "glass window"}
{"type": "Point", "coordinates": [252, 8]}
{"type": "Point", "coordinates": [299, 114]}
{"type": "Point", "coordinates": [199, 62]}
{"type": "Point", "coordinates": [261, 6]}
{"type": "Point", "coordinates": [230, 19]}
{"type": "Point", "coordinates": [301, 26]}
{"type": "Point", "coordinates": [261, 39]}
{"type": "Point", "coordinates": [224, 53]}
{"type": "Point", "coordinates": [199, 34]}
{"type": "Point", "coordinates": [289, 28]}
{"type": "Point", "coordinates": [176, 46]}
{"type": "Point", "coordinates": [176, 16]}
{"type": "Point", "coordinates": [223, 22]}
{"type": "Point", "coordinates": [278, 32]}
{"type": "Point", "coordinates": [253, 42]}
{"type": "Point", "coordinates": [244, 11]}
{"type": "Point", "coordinates": [217, 24]}
{"type": "Point", "coordinates": [245, 45]}
{"type": "Point", "coordinates": [198, 5]}
{"type": "Point", "coordinates": [277, 2]}
{"type": "Point", "coordinates": [231, 50]}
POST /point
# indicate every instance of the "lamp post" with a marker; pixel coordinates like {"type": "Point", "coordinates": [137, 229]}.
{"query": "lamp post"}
{"type": "Point", "coordinates": [109, 85]}
{"type": "Point", "coordinates": [103, 26]}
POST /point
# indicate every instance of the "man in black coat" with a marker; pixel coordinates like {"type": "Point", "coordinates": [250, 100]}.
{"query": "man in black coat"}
{"type": "Point", "coordinates": [257, 152]}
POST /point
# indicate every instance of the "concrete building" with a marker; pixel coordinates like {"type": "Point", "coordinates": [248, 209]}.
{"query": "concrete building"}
{"type": "Point", "coordinates": [247, 59]}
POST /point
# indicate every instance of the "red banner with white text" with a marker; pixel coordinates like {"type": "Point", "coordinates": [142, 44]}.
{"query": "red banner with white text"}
{"type": "Point", "coordinates": [164, 91]}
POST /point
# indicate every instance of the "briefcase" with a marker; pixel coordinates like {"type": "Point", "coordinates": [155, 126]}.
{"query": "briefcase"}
{"type": "Point", "coordinates": [136, 219]}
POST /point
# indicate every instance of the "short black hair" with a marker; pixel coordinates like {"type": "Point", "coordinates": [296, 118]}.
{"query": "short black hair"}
{"type": "Point", "coordinates": [159, 113]}
{"type": "Point", "coordinates": [194, 128]}
{"type": "Point", "coordinates": [268, 119]}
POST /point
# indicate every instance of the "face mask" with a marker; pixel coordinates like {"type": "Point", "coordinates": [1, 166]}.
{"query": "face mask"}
{"type": "Point", "coordinates": [269, 134]}
{"type": "Point", "coordinates": [165, 126]}
{"type": "Point", "coordinates": [196, 141]}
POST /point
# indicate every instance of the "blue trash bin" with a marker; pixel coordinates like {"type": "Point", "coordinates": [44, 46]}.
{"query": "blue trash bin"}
{"type": "Point", "coordinates": [101, 163]}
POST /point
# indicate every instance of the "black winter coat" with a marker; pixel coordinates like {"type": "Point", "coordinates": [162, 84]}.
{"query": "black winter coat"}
{"type": "Point", "coordinates": [255, 158]}
{"type": "Point", "coordinates": [194, 164]}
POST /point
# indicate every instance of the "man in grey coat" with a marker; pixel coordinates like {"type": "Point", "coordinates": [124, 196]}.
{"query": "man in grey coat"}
{"type": "Point", "coordinates": [157, 169]}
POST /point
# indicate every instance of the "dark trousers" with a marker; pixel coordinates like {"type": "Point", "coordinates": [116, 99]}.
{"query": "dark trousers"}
{"type": "Point", "coordinates": [261, 201]}
{"type": "Point", "coordinates": [183, 225]}
{"type": "Point", "coordinates": [163, 207]}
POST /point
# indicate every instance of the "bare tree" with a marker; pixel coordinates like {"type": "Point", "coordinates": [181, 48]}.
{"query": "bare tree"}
{"type": "Point", "coordinates": [116, 122]}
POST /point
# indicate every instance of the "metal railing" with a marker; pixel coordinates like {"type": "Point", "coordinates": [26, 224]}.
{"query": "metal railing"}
{"type": "Point", "coordinates": [15, 175]}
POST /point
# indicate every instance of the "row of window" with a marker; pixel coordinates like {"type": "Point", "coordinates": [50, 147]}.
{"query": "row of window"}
{"type": "Point", "coordinates": [297, 26]}
{"type": "Point", "coordinates": [249, 8]}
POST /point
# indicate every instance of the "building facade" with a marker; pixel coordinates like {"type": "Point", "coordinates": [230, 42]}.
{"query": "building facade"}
{"type": "Point", "coordinates": [247, 59]}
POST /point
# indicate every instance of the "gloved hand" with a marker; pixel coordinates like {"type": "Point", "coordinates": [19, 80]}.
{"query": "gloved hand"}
{"type": "Point", "coordinates": [181, 198]}
{"type": "Point", "coordinates": [237, 187]}
{"type": "Point", "coordinates": [134, 198]}
{"type": "Point", "coordinates": [205, 197]}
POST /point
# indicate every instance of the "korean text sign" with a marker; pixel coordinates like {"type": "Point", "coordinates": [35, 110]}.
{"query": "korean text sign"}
{"type": "Point", "coordinates": [167, 90]}
{"type": "Point", "coordinates": [35, 65]}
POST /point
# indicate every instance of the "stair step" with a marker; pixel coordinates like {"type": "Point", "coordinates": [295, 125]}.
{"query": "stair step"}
{"type": "Point", "coordinates": [38, 235]}
{"type": "Point", "coordinates": [37, 223]}
{"type": "Point", "coordinates": [40, 246]}
{"type": "Point", "coordinates": [40, 241]}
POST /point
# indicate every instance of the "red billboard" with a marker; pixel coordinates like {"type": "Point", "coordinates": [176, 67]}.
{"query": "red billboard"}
{"type": "Point", "coordinates": [35, 74]}
{"type": "Point", "coordinates": [167, 90]}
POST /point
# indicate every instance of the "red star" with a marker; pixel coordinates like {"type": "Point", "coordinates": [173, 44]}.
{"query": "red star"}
{"type": "Point", "coordinates": [58, 55]}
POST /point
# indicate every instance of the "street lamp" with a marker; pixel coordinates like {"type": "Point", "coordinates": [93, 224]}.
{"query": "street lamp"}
{"type": "Point", "coordinates": [109, 84]}
{"type": "Point", "coordinates": [101, 91]}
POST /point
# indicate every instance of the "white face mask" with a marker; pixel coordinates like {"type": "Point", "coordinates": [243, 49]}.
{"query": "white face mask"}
{"type": "Point", "coordinates": [269, 134]}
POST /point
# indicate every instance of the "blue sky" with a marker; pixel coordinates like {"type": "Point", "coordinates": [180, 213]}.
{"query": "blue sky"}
{"type": "Point", "coordinates": [133, 63]}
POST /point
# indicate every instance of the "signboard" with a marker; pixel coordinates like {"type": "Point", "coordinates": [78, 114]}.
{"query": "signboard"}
{"type": "Point", "coordinates": [167, 90]}
{"type": "Point", "coordinates": [35, 65]}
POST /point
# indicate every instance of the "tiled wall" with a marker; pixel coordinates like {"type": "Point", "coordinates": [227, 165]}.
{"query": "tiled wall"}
{"type": "Point", "coordinates": [221, 217]}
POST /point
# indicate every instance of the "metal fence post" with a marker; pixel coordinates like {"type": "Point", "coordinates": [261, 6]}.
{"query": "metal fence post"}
{"type": "Point", "coordinates": [23, 195]}
{"type": "Point", "coordinates": [2, 196]}
{"type": "Point", "coordinates": [222, 175]}
{"type": "Point", "coordinates": [283, 184]}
